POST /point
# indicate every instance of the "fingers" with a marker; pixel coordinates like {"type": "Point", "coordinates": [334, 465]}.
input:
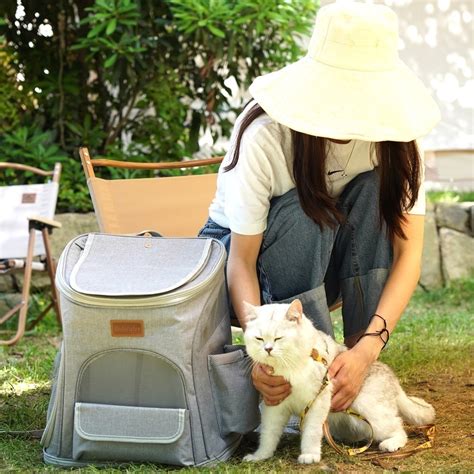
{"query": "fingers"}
{"type": "Point", "coordinates": [263, 373]}
{"type": "Point", "coordinates": [344, 393]}
{"type": "Point", "coordinates": [335, 366]}
{"type": "Point", "coordinates": [274, 389]}
{"type": "Point", "coordinates": [341, 401]}
{"type": "Point", "coordinates": [272, 401]}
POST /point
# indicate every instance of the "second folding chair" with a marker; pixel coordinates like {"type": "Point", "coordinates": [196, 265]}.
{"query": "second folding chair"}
{"type": "Point", "coordinates": [25, 225]}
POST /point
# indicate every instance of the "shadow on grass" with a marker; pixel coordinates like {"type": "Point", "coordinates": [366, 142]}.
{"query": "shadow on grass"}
{"type": "Point", "coordinates": [431, 352]}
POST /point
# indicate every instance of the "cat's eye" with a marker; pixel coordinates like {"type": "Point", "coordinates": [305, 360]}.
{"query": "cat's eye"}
{"type": "Point", "coordinates": [278, 338]}
{"type": "Point", "coordinates": [259, 338]}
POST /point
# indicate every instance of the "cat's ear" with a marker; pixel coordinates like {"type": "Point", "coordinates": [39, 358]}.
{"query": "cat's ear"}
{"type": "Point", "coordinates": [250, 311]}
{"type": "Point", "coordinates": [295, 311]}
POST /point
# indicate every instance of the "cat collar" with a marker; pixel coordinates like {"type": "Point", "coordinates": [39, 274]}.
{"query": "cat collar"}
{"type": "Point", "coordinates": [316, 356]}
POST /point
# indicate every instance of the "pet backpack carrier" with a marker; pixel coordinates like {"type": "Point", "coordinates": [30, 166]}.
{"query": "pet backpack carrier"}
{"type": "Point", "coordinates": [146, 371]}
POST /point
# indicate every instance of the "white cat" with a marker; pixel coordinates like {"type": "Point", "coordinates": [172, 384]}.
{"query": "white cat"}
{"type": "Point", "coordinates": [279, 335]}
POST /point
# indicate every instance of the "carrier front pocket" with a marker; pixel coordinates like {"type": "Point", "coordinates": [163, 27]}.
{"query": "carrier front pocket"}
{"type": "Point", "coordinates": [235, 397]}
{"type": "Point", "coordinates": [129, 433]}
{"type": "Point", "coordinates": [131, 406]}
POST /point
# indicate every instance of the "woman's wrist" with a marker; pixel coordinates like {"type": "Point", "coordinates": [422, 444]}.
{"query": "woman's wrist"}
{"type": "Point", "coordinates": [375, 337]}
{"type": "Point", "coordinates": [371, 347]}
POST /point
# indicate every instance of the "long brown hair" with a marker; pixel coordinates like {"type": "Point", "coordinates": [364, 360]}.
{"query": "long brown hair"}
{"type": "Point", "coordinates": [399, 169]}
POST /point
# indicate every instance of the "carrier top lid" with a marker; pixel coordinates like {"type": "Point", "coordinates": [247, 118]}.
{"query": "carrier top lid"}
{"type": "Point", "coordinates": [159, 265]}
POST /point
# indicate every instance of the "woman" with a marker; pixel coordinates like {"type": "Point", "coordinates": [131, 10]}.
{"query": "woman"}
{"type": "Point", "coordinates": [321, 192]}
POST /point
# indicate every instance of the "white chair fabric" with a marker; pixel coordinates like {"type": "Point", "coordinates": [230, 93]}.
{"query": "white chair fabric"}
{"type": "Point", "coordinates": [17, 203]}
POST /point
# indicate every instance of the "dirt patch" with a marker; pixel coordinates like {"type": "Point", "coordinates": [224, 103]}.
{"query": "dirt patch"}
{"type": "Point", "coordinates": [452, 397]}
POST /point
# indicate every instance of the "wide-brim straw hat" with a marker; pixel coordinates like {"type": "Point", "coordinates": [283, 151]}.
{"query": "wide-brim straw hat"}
{"type": "Point", "coordinates": [351, 84]}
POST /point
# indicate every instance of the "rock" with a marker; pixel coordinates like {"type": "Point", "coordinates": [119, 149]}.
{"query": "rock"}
{"type": "Point", "coordinates": [7, 302]}
{"type": "Point", "coordinates": [7, 284]}
{"type": "Point", "coordinates": [431, 275]}
{"type": "Point", "coordinates": [430, 207]}
{"type": "Point", "coordinates": [457, 251]}
{"type": "Point", "coordinates": [454, 215]}
{"type": "Point", "coordinates": [72, 225]}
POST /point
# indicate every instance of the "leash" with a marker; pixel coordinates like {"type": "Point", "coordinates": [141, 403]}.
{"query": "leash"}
{"type": "Point", "coordinates": [426, 431]}
{"type": "Point", "coordinates": [317, 357]}
{"type": "Point", "coordinates": [345, 450]}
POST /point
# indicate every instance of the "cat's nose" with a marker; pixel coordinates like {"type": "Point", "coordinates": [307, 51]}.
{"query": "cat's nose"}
{"type": "Point", "coordinates": [268, 348]}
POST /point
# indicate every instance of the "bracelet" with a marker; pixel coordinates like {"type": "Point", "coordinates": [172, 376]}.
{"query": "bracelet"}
{"type": "Point", "coordinates": [379, 333]}
{"type": "Point", "coordinates": [383, 319]}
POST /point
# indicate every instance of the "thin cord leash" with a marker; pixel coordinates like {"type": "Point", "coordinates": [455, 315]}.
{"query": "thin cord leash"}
{"type": "Point", "coordinates": [316, 356]}
{"type": "Point", "coordinates": [427, 431]}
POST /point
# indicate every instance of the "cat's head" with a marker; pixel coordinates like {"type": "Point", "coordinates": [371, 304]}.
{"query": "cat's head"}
{"type": "Point", "coordinates": [277, 334]}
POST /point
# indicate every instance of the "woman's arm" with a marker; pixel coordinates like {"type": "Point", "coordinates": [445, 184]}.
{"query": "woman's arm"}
{"type": "Point", "coordinates": [349, 369]}
{"type": "Point", "coordinates": [242, 277]}
{"type": "Point", "coordinates": [243, 284]}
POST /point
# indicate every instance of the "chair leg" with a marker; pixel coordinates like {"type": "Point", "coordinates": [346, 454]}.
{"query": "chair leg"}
{"type": "Point", "coordinates": [51, 267]}
{"type": "Point", "coordinates": [33, 323]}
{"type": "Point", "coordinates": [25, 293]}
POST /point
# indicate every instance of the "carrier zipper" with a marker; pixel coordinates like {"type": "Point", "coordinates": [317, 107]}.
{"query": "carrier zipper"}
{"type": "Point", "coordinates": [174, 298]}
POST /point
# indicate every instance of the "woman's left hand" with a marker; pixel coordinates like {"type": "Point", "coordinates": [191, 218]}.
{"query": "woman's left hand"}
{"type": "Point", "coordinates": [347, 372]}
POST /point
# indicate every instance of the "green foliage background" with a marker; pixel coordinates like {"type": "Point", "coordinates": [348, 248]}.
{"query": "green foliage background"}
{"type": "Point", "coordinates": [132, 79]}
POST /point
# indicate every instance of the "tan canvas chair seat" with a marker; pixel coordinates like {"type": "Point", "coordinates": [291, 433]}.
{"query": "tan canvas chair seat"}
{"type": "Point", "coordinates": [174, 206]}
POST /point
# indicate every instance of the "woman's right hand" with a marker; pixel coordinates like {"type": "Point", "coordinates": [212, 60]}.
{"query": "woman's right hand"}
{"type": "Point", "coordinates": [274, 388]}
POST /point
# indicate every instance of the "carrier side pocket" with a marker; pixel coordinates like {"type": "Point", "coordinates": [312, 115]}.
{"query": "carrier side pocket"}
{"type": "Point", "coordinates": [53, 406]}
{"type": "Point", "coordinates": [235, 397]}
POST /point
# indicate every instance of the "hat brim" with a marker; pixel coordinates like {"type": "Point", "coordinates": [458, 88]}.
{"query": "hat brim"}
{"type": "Point", "coordinates": [318, 99]}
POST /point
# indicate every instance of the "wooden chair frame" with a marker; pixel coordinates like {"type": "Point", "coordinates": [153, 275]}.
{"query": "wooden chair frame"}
{"type": "Point", "coordinates": [165, 199]}
{"type": "Point", "coordinates": [45, 226]}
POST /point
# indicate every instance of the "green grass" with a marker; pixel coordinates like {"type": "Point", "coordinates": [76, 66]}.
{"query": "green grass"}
{"type": "Point", "coordinates": [431, 351]}
{"type": "Point", "coordinates": [450, 196]}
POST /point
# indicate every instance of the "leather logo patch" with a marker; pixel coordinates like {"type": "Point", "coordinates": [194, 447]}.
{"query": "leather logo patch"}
{"type": "Point", "coordinates": [28, 198]}
{"type": "Point", "coordinates": [127, 328]}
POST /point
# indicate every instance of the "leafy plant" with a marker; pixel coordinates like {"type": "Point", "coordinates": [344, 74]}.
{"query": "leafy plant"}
{"type": "Point", "coordinates": [141, 79]}
{"type": "Point", "coordinates": [37, 148]}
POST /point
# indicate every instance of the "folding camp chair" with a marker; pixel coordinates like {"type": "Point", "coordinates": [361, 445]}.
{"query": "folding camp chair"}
{"type": "Point", "coordinates": [173, 206]}
{"type": "Point", "coordinates": [27, 213]}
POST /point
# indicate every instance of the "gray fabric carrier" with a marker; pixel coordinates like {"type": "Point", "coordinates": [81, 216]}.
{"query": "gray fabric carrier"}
{"type": "Point", "coordinates": [146, 371]}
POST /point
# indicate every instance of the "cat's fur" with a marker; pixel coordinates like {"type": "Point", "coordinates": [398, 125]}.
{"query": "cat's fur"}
{"type": "Point", "coordinates": [285, 341]}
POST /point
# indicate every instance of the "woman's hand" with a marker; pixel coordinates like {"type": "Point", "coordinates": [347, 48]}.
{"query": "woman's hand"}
{"type": "Point", "coordinates": [274, 389]}
{"type": "Point", "coordinates": [347, 372]}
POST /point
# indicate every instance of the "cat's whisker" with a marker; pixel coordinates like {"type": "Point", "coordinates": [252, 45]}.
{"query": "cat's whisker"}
{"type": "Point", "coordinates": [249, 364]}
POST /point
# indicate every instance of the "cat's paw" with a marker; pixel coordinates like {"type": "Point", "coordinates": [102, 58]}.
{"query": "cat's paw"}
{"type": "Point", "coordinates": [392, 444]}
{"type": "Point", "coordinates": [309, 458]}
{"type": "Point", "coordinates": [256, 456]}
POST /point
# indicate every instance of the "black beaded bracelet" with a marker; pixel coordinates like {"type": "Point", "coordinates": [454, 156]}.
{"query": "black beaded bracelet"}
{"type": "Point", "coordinates": [379, 333]}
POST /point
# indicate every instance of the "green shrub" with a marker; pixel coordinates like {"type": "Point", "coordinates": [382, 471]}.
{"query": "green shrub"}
{"type": "Point", "coordinates": [137, 79]}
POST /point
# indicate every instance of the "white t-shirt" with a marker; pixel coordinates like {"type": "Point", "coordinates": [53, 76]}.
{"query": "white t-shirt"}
{"type": "Point", "coordinates": [264, 171]}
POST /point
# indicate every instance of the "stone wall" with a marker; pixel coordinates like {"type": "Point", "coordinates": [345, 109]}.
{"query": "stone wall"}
{"type": "Point", "coordinates": [448, 249]}
{"type": "Point", "coordinates": [449, 243]}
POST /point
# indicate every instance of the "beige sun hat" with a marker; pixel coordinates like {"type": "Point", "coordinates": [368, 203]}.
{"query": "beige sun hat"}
{"type": "Point", "coordinates": [351, 84]}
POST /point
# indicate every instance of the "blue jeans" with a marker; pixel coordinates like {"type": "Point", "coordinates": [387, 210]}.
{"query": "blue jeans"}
{"type": "Point", "coordinates": [299, 259]}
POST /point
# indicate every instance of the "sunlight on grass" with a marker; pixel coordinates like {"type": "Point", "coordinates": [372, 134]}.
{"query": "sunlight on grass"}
{"type": "Point", "coordinates": [433, 339]}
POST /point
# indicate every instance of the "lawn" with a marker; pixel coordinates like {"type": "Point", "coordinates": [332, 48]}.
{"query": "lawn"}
{"type": "Point", "coordinates": [431, 352]}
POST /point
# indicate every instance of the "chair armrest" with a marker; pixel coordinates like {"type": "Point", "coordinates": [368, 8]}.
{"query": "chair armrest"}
{"type": "Point", "coordinates": [40, 223]}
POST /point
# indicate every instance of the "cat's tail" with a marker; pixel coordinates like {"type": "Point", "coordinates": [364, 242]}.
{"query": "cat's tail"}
{"type": "Point", "coordinates": [414, 410]}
